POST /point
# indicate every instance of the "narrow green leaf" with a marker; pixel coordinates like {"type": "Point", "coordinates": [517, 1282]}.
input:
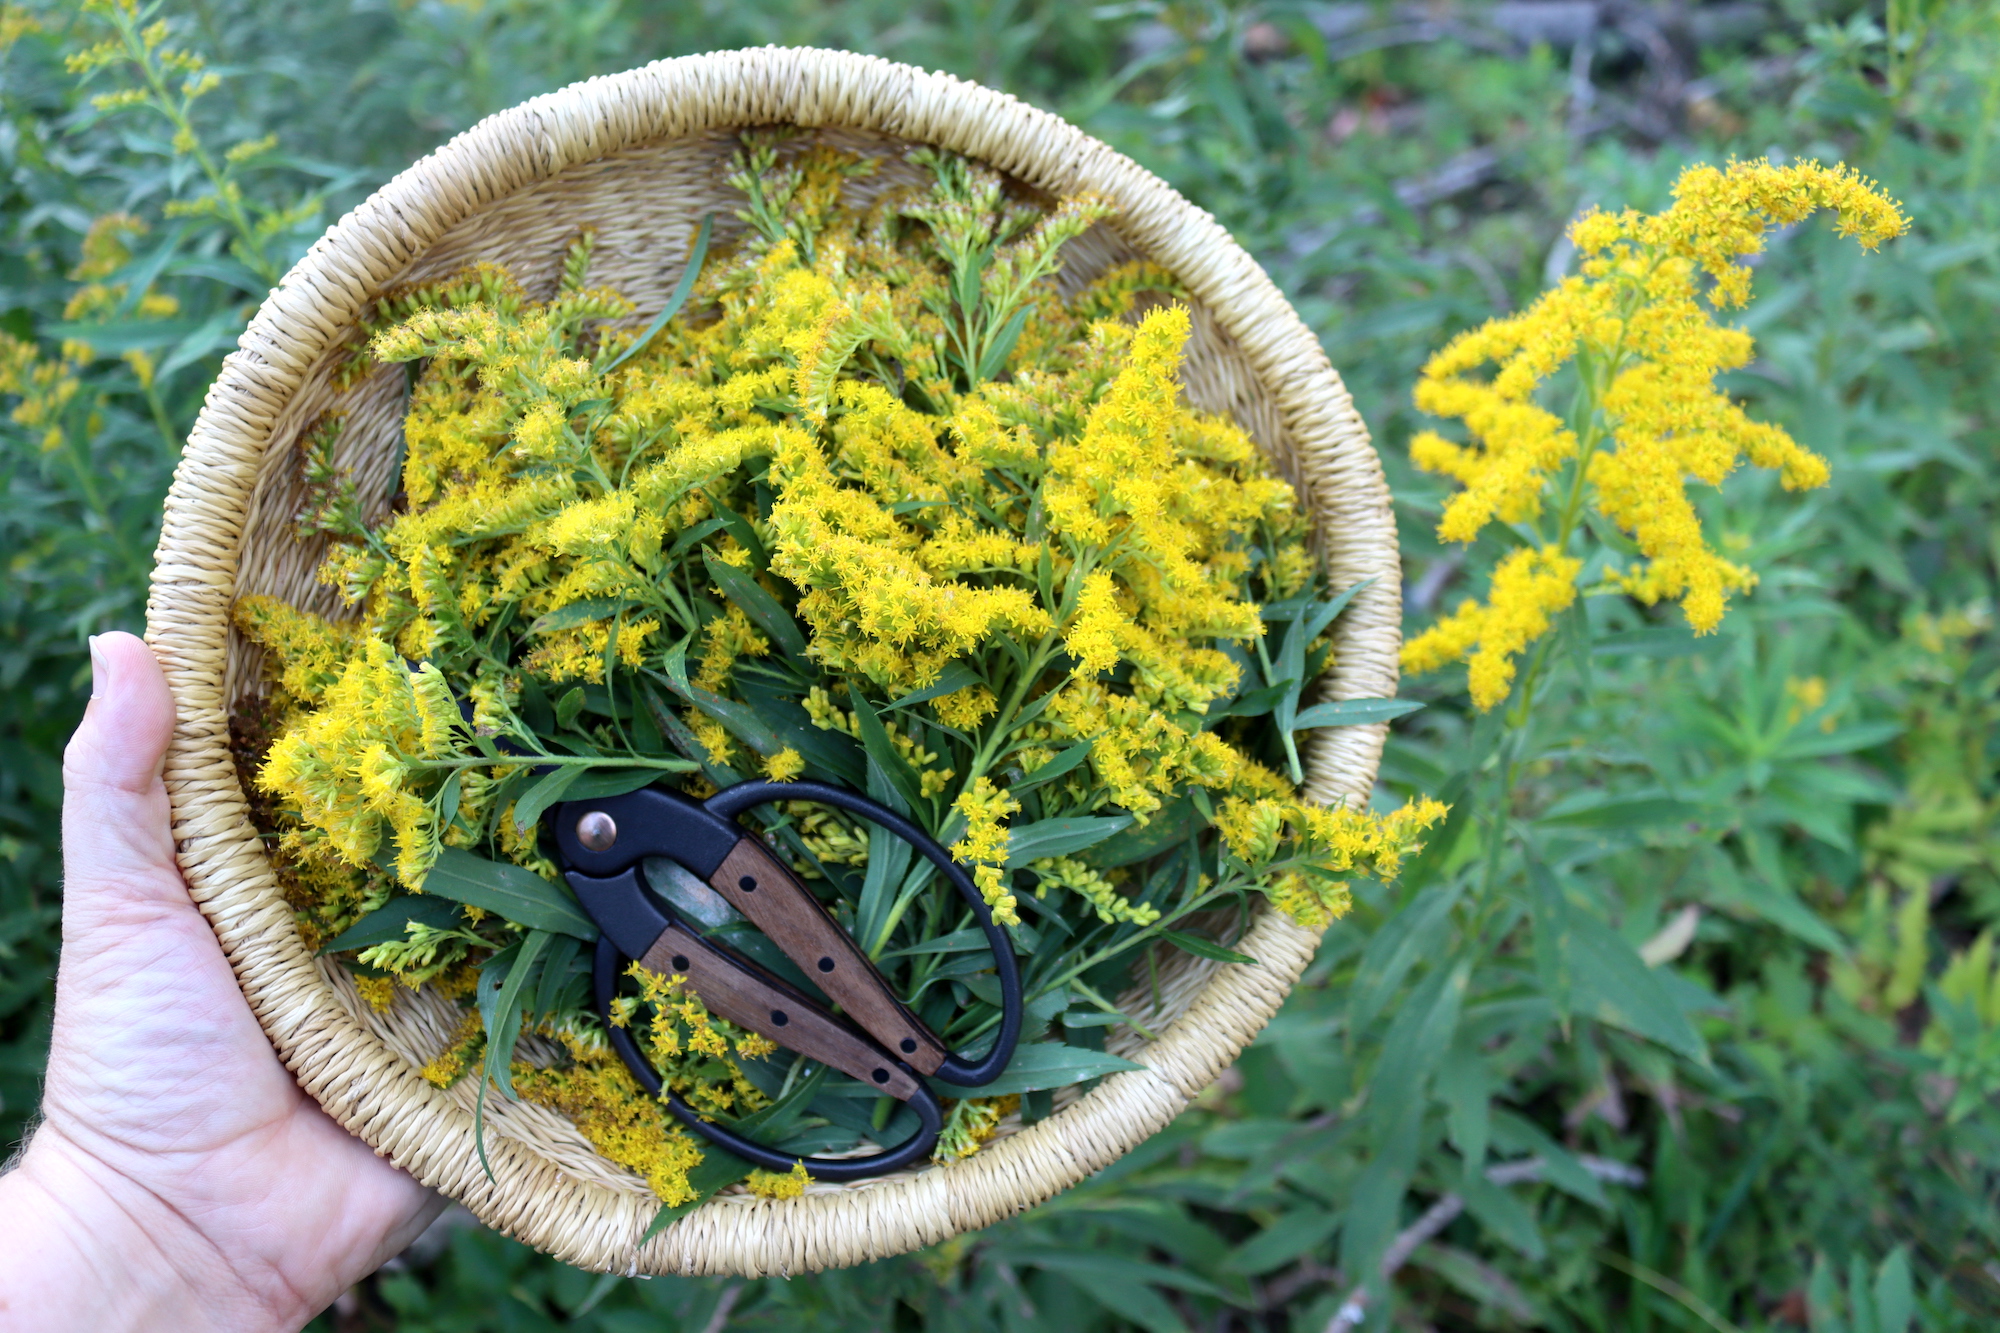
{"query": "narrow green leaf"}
{"type": "Point", "coordinates": [1060, 837]}
{"type": "Point", "coordinates": [509, 891]}
{"type": "Point", "coordinates": [598, 784]}
{"type": "Point", "coordinates": [548, 789]}
{"type": "Point", "coordinates": [569, 707]}
{"type": "Point", "coordinates": [1202, 948]}
{"type": "Point", "coordinates": [564, 952]}
{"type": "Point", "coordinates": [503, 1020]}
{"type": "Point", "coordinates": [742, 722]}
{"type": "Point", "coordinates": [1256, 703]}
{"type": "Point", "coordinates": [1411, 934]}
{"type": "Point", "coordinates": [1655, 643]}
{"type": "Point", "coordinates": [1353, 713]}
{"type": "Point", "coordinates": [391, 920]}
{"type": "Point", "coordinates": [1895, 1293]}
{"type": "Point", "coordinates": [1066, 759]}
{"type": "Point", "coordinates": [875, 740]}
{"type": "Point", "coordinates": [585, 612]}
{"type": "Point", "coordinates": [1045, 1064]}
{"type": "Point", "coordinates": [1317, 621]}
{"type": "Point", "coordinates": [119, 337]}
{"type": "Point", "coordinates": [1612, 984]}
{"type": "Point", "coordinates": [1589, 810]}
{"type": "Point", "coordinates": [760, 606]}
{"type": "Point", "coordinates": [745, 535]}
{"type": "Point", "coordinates": [952, 679]}
{"type": "Point", "coordinates": [1503, 1214]}
{"type": "Point", "coordinates": [697, 254]}
{"type": "Point", "coordinates": [1295, 1232]}
{"type": "Point", "coordinates": [1174, 824]}
{"type": "Point", "coordinates": [1002, 345]}
{"type": "Point", "coordinates": [1515, 1134]}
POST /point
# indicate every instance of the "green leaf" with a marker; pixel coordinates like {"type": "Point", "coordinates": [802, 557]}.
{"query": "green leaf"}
{"type": "Point", "coordinates": [1256, 703]}
{"type": "Point", "coordinates": [1316, 621]}
{"type": "Point", "coordinates": [875, 740]}
{"type": "Point", "coordinates": [1465, 1085]}
{"type": "Point", "coordinates": [508, 891]}
{"type": "Point", "coordinates": [697, 254]}
{"type": "Point", "coordinates": [569, 708]}
{"type": "Point", "coordinates": [503, 1017]}
{"type": "Point", "coordinates": [1293, 1233]}
{"type": "Point", "coordinates": [741, 721]}
{"type": "Point", "coordinates": [1060, 837]}
{"type": "Point", "coordinates": [564, 951]}
{"type": "Point", "coordinates": [1416, 1044]}
{"type": "Point", "coordinates": [584, 612]}
{"type": "Point", "coordinates": [951, 680]}
{"type": "Point", "coordinates": [1168, 827]}
{"type": "Point", "coordinates": [390, 921]}
{"type": "Point", "coordinates": [1413, 933]}
{"type": "Point", "coordinates": [1656, 643]}
{"type": "Point", "coordinates": [1757, 894]}
{"type": "Point", "coordinates": [1502, 1213]}
{"type": "Point", "coordinates": [1844, 740]}
{"type": "Point", "coordinates": [1895, 1294]}
{"type": "Point", "coordinates": [1045, 1064]}
{"type": "Point", "coordinates": [1589, 810]}
{"type": "Point", "coordinates": [888, 861]}
{"type": "Point", "coordinates": [1353, 713]}
{"type": "Point", "coordinates": [1202, 948]}
{"type": "Point", "coordinates": [1514, 1134]}
{"type": "Point", "coordinates": [1066, 759]}
{"type": "Point", "coordinates": [762, 608]}
{"type": "Point", "coordinates": [599, 784]}
{"type": "Point", "coordinates": [745, 535]}
{"type": "Point", "coordinates": [116, 339]}
{"type": "Point", "coordinates": [1611, 983]}
{"type": "Point", "coordinates": [1002, 346]}
{"type": "Point", "coordinates": [548, 789]}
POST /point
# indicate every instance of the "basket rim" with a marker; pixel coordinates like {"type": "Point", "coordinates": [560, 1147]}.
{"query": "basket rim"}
{"type": "Point", "coordinates": [365, 1086]}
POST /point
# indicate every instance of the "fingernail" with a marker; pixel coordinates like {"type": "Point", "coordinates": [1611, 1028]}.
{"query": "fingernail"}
{"type": "Point", "coordinates": [100, 670]}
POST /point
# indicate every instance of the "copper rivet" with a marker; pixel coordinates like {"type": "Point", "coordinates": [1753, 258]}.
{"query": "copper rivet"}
{"type": "Point", "coordinates": [597, 831]}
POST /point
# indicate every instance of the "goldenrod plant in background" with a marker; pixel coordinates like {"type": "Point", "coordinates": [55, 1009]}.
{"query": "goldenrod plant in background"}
{"type": "Point", "coordinates": [1645, 418]}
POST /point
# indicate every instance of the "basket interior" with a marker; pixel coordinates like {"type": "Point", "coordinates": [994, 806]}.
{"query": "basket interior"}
{"type": "Point", "coordinates": [643, 205]}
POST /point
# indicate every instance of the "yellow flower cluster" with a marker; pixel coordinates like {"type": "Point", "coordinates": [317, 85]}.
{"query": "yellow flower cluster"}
{"type": "Point", "coordinates": [352, 764]}
{"type": "Point", "coordinates": [984, 844]}
{"type": "Point", "coordinates": [1637, 324]}
{"type": "Point", "coordinates": [1330, 842]}
{"type": "Point", "coordinates": [598, 1095]}
{"type": "Point", "coordinates": [780, 1184]}
{"type": "Point", "coordinates": [970, 1124]}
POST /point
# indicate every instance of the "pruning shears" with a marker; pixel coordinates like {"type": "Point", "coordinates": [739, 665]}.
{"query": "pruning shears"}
{"type": "Point", "coordinates": [874, 1038]}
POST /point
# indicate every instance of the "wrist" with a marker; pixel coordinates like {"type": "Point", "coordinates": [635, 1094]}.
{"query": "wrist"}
{"type": "Point", "coordinates": [82, 1246]}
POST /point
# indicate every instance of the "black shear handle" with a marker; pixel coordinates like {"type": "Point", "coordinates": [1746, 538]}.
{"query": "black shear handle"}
{"type": "Point", "coordinates": [607, 836]}
{"type": "Point", "coordinates": [741, 995]}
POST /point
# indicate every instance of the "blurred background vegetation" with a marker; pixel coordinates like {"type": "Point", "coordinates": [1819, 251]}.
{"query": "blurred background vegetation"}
{"type": "Point", "coordinates": [1695, 1027]}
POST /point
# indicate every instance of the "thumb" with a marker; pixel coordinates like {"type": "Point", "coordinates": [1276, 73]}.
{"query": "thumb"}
{"type": "Point", "coordinates": [118, 849]}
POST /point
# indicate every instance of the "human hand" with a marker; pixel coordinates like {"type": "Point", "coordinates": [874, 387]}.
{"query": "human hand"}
{"type": "Point", "coordinates": [180, 1177]}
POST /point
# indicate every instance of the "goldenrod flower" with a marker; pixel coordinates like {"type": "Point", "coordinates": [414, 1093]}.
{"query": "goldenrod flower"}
{"type": "Point", "coordinates": [1649, 417]}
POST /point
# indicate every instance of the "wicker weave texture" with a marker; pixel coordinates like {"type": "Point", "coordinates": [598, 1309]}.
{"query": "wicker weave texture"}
{"type": "Point", "coordinates": [638, 158]}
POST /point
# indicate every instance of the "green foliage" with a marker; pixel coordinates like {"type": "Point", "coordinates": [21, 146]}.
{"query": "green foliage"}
{"type": "Point", "coordinates": [1688, 1026]}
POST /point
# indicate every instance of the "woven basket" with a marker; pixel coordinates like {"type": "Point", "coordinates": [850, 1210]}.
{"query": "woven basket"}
{"type": "Point", "coordinates": [638, 158]}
